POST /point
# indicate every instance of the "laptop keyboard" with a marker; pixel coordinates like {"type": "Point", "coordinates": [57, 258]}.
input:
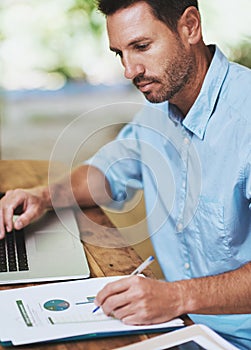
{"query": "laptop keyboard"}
{"type": "Point", "coordinates": [13, 256]}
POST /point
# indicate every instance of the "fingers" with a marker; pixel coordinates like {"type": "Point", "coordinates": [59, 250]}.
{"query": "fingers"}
{"type": "Point", "coordinates": [10, 203]}
{"type": "Point", "coordinates": [24, 219]}
{"type": "Point", "coordinates": [111, 289]}
{"type": "Point", "coordinates": [117, 306]}
{"type": "Point", "coordinates": [7, 206]}
{"type": "Point", "coordinates": [2, 227]}
{"type": "Point", "coordinates": [121, 299]}
{"type": "Point", "coordinates": [138, 300]}
{"type": "Point", "coordinates": [31, 208]}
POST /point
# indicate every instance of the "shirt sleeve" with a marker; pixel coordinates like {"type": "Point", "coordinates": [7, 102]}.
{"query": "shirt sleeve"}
{"type": "Point", "coordinates": [119, 160]}
{"type": "Point", "coordinates": [248, 180]}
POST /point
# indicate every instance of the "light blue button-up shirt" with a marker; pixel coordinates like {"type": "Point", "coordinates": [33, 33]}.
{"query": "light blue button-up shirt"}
{"type": "Point", "coordinates": [196, 176]}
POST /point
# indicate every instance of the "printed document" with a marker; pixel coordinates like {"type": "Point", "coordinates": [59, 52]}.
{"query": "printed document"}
{"type": "Point", "coordinates": [61, 310]}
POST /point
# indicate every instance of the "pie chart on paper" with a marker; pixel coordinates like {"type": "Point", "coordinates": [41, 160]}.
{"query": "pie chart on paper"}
{"type": "Point", "coordinates": [56, 305]}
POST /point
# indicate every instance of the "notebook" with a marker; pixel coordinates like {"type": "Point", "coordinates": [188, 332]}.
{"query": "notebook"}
{"type": "Point", "coordinates": [49, 249]}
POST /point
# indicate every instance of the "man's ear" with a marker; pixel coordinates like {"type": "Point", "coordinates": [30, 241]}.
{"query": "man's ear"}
{"type": "Point", "coordinates": [189, 25]}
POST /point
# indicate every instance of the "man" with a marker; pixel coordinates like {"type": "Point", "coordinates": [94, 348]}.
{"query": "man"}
{"type": "Point", "coordinates": [202, 234]}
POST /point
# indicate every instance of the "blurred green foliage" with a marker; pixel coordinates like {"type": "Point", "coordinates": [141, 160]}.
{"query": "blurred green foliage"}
{"type": "Point", "coordinates": [58, 40]}
{"type": "Point", "coordinates": [81, 20]}
{"type": "Point", "coordinates": [53, 36]}
{"type": "Point", "coordinates": [87, 7]}
{"type": "Point", "coordinates": [242, 53]}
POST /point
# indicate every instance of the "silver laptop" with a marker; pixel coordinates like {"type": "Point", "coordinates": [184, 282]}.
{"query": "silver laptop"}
{"type": "Point", "coordinates": [49, 249]}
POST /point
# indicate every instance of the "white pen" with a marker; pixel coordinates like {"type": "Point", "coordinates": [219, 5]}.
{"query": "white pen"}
{"type": "Point", "coordinates": [138, 270]}
{"type": "Point", "coordinates": [143, 266]}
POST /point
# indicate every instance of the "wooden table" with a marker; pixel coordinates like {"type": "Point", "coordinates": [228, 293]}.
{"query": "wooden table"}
{"type": "Point", "coordinates": [103, 261]}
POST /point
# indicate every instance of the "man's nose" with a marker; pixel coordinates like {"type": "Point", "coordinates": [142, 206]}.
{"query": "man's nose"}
{"type": "Point", "coordinates": [132, 69]}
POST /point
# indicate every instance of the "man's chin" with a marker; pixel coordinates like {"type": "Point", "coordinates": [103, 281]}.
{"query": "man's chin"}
{"type": "Point", "coordinates": [154, 99]}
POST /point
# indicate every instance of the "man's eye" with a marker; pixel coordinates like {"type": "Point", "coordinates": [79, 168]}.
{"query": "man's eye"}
{"type": "Point", "coordinates": [142, 47]}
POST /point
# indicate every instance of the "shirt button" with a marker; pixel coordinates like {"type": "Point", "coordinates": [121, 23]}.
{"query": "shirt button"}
{"type": "Point", "coordinates": [187, 266]}
{"type": "Point", "coordinates": [121, 196]}
{"type": "Point", "coordinates": [179, 227]}
{"type": "Point", "coordinates": [186, 140]}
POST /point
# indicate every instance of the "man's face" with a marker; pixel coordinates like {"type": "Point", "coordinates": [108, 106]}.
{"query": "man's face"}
{"type": "Point", "coordinates": [157, 61]}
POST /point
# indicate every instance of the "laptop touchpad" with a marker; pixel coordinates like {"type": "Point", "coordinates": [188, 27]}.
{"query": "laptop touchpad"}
{"type": "Point", "coordinates": [51, 241]}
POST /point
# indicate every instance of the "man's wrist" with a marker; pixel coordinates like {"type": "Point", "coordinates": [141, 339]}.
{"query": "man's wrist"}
{"type": "Point", "coordinates": [43, 193]}
{"type": "Point", "coordinates": [188, 296]}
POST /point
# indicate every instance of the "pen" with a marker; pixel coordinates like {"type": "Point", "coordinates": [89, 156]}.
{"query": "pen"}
{"type": "Point", "coordinates": [138, 270]}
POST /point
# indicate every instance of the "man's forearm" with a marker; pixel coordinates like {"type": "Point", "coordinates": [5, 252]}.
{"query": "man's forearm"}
{"type": "Point", "coordinates": [138, 300]}
{"type": "Point", "coordinates": [85, 186]}
{"type": "Point", "coordinates": [227, 293]}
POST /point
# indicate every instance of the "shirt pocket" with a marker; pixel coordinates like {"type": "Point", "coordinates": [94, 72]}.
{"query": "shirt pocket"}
{"type": "Point", "coordinates": [210, 234]}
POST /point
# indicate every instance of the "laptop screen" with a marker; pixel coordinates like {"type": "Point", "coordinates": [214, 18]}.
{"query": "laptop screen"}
{"type": "Point", "coordinates": [191, 345]}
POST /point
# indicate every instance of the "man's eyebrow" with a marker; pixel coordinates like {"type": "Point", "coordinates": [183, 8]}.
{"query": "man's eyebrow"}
{"type": "Point", "coordinates": [138, 40]}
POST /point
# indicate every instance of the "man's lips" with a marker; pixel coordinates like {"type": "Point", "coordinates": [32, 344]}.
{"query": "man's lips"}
{"type": "Point", "coordinates": [144, 86]}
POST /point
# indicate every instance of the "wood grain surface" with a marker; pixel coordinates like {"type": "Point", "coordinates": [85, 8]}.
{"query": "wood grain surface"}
{"type": "Point", "coordinates": [107, 251]}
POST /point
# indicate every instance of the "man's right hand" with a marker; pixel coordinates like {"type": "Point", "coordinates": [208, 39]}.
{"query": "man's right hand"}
{"type": "Point", "coordinates": [32, 203]}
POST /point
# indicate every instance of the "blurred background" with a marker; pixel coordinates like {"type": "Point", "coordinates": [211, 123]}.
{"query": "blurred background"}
{"type": "Point", "coordinates": [56, 69]}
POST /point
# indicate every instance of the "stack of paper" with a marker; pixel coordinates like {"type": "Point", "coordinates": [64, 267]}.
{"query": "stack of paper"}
{"type": "Point", "coordinates": [60, 311]}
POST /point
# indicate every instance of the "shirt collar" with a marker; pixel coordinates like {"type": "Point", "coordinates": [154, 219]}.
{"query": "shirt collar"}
{"type": "Point", "coordinates": [198, 117]}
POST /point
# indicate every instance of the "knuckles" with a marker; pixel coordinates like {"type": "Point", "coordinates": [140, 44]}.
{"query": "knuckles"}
{"type": "Point", "coordinates": [13, 193]}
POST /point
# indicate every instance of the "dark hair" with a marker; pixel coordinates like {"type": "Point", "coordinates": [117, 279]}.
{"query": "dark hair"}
{"type": "Point", "coordinates": [167, 11]}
